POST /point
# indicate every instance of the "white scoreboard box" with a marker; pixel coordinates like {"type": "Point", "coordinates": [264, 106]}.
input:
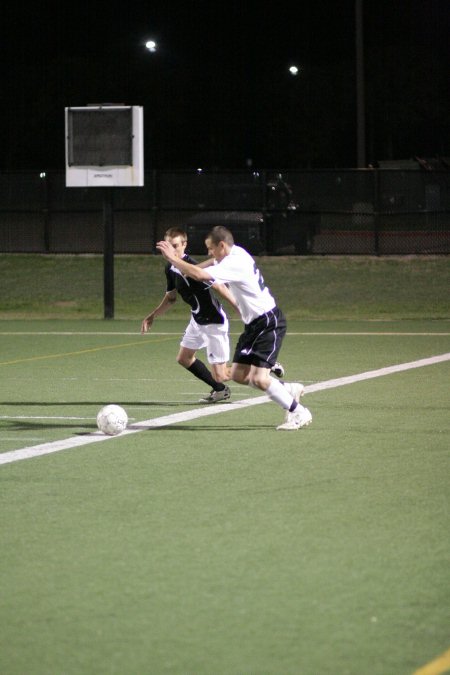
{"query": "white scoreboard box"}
{"type": "Point", "coordinates": [104, 146]}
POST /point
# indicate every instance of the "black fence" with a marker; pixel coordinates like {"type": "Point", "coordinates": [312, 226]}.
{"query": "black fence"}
{"type": "Point", "coordinates": [358, 211]}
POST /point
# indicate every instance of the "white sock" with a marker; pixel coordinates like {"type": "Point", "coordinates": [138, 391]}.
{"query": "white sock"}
{"type": "Point", "coordinates": [279, 394]}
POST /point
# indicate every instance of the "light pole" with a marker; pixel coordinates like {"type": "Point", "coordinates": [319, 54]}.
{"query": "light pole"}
{"type": "Point", "coordinates": [360, 94]}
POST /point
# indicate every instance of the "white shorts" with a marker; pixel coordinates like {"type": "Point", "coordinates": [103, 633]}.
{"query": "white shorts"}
{"type": "Point", "coordinates": [213, 337]}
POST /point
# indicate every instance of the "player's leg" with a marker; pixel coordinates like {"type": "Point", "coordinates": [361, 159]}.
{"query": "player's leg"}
{"type": "Point", "coordinates": [279, 392]}
{"type": "Point", "coordinates": [221, 372]}
{"type": "Point", "coordinates": [219, 391]}
{"type": "Point", "coordinates": [218, 350]}
{"type": "Point", "coordinates": [192, 340]}
{"type": "Point", "coordinates": [240, 372]}
{"type": "Point", "coordinates": [255, 356]}
{"type": "Point", "coordinates": [257, 350]}
{"type": "Point", "coordinates": [287, 395]}
{"type": "Point", "coordinates": [187, 358]}
{"type": "Point", "coordinates": [218, 354]}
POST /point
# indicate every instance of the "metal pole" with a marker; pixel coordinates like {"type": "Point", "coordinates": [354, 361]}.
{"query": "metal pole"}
{"type": "Point", "coordinates": [108, 253]}
{"type": "Point", "coordinates": [360, 93]}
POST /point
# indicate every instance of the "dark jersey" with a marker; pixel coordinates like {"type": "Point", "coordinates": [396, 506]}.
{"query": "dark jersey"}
{"type": "Point", "coordinates": [205, 308]}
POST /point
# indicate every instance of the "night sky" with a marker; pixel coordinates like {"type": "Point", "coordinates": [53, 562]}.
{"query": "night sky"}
{"type": "Point", "coordinates": [218, 93]}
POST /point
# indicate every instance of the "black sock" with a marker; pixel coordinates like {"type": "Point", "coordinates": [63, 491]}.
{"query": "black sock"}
{"type": "Point", "coordinates": [199, 369]}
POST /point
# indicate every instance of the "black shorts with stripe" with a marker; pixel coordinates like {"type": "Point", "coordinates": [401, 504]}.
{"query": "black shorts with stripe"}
{"type": "Point", "coordinates": [261, 340]}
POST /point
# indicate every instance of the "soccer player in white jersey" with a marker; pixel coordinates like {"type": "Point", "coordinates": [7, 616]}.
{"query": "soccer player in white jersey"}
{"type": "Point", "coordinates": [265, 325]}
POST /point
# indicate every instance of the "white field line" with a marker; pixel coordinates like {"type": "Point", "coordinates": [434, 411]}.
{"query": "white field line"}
{"type": "Point", "coordinates": [370, 374]}
{"type": "Point", "coordinates": [166, 420]}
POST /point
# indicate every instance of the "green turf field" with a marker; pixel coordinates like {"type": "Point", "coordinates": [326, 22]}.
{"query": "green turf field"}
{"type": "Point", "coordinates": [215, 544]}
{"type": "Point", "coordinates": [341, 287]}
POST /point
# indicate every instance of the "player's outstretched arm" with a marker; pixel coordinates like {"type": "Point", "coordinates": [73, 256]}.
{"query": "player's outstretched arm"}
{"type": "Point", "coordinates": [167, 301]}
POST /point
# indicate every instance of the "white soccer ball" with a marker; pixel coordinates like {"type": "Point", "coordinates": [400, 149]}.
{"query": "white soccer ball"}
{"type": "Point", "coordinates": [112, 419]}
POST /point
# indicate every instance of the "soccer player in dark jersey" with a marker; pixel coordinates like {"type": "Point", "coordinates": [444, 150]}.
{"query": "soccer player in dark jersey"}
{"type": "Point", "coordinates": [208, 326]}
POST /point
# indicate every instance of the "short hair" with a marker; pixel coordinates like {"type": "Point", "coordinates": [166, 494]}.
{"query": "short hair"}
{"type": "Point", "coordinates": [175, 232]}
{"type": "Point", "coordinates": [220, 233]}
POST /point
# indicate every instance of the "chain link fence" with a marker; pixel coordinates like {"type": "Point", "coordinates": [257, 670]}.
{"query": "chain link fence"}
{"type": "Point", "coordinates": [354, 211]}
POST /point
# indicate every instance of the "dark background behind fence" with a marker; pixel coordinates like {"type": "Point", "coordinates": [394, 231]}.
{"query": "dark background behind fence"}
{"type": "Point", "coordinates": [354, 211]}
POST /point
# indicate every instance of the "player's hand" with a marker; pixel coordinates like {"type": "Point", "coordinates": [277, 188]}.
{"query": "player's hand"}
{"type": "Point", "coordinates": [166, 249]}
{"type": "Point", "coordinates": [146, 324]}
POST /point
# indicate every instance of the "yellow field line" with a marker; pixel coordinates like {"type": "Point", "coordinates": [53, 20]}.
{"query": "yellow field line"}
{"type": "Point", "coordinates": [436, 667]}
{"type": "Point", "coordinates": [84, 351]}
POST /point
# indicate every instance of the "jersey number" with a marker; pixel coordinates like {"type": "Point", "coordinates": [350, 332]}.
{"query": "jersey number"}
{"type": "Point", "coordinates": [260, 277]}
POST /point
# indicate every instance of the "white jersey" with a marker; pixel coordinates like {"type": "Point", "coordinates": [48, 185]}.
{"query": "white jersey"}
{"type": "Point", "coordinates": [239, 271]}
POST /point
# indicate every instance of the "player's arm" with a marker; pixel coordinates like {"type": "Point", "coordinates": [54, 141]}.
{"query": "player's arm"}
{"type": "Point", "coordinates": [167, 301]}
{"type": "Point", "coordinates": [206, 263]}
{"type": "Point", "coordinates": [226, 294]}
{"type": "Point", "coordinates": [194, 271]}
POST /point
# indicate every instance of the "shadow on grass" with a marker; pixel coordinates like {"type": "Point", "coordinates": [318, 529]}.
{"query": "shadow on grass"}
{"type": "Point", "coordinates": [82, 427]}
{"type": "Point", "coordinates": [143, 404]}
{"type": "Point", "coordinates": [212, 427]}
{"type": "Point", "coordinates": [25, 425]}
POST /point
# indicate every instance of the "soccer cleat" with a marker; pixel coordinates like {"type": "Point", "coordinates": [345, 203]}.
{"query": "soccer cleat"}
{"type": "Point", "coordinates": [296, 390]}
{"type": "Point", "coordinates": [301, 417]}
{"type": "Point", "coordinates": [216, 396]}
{"type": "Point", "coordinates": [277, 370]}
